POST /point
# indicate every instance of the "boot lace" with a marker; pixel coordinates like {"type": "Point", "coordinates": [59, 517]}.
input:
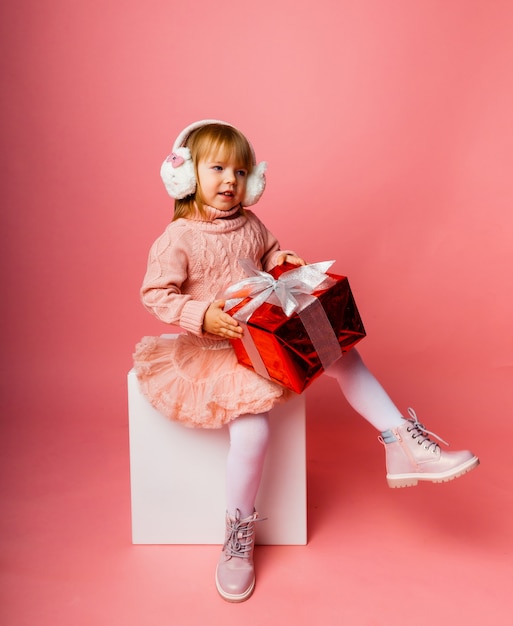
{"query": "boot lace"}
{"type": "Point", "coordinates": [421, 433]}
{"type": "Point", "coordinates": [240, 536]}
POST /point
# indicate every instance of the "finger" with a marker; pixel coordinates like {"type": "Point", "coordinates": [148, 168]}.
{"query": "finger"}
{"type": "Point", "coordinates": [231, 332]}
{"type": "Point", "coordinates": [230, 322]}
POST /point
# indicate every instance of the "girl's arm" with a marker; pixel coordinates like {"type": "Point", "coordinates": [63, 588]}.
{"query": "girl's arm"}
{"type": "Point", "coordinates": [161, 289]}
{"type": "Point", "coordinates": [273, 255]}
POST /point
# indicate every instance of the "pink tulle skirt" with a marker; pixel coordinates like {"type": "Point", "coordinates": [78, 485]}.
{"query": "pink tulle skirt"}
{"type": "Point", "coordinates": [199, 382]}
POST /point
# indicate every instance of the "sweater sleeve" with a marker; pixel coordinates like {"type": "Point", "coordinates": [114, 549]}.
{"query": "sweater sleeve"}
{"type": "Point", "coordinates": [271, 245]}
{"type": "Point", "coordinates": [161, 294]}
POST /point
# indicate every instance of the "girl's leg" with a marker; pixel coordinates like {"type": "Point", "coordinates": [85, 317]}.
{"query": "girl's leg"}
{"type": "Point", "coordinates": [249, 436]}
{"type": "Point", "coordinates": [235, 575]}
{"type": "Point", "coordinates": [410, 453]}
{"type": "Point", "coordinates": [364, 393]}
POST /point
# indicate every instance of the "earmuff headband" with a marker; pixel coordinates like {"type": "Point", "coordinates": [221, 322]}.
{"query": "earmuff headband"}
{"type": "Point", "coordinates": [178, 174]}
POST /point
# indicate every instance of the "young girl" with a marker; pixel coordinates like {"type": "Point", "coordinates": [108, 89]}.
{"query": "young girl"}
{"type": "Point", "coordinates": [196, 379]}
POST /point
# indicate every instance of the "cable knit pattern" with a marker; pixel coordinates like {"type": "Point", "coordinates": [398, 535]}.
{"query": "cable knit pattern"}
{"type": "Point", "coordinates": [196, 379]}
{"type": "Point", "coordinates": [194, 260]}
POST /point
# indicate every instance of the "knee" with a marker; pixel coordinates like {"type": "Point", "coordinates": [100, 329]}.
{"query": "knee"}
{"type": "Point", "coordinates": [249, 434]}
{"type": "Point", "coordinates": [348, 361]}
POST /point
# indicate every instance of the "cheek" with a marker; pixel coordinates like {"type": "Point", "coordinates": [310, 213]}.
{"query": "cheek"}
{"type": "Point", "coordinates": [204, 179]}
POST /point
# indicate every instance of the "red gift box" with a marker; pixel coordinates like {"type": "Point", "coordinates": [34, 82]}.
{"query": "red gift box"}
{"type": "Point", "coordinates": [283, 349]}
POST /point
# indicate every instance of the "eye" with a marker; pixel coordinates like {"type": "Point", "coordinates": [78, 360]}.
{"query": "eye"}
{"type": "Point", "coordinates": [217, 168]}
{"type": "Point", "coordinates": [242, 173]}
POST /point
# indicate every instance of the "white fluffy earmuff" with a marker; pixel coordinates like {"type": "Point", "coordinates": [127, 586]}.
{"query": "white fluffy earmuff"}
{"type": "Point", "coordinates": [177, 171]}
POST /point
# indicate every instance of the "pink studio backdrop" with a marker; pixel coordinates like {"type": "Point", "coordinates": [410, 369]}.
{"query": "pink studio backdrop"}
{"type": "Point", "coordinates": [387, 129]}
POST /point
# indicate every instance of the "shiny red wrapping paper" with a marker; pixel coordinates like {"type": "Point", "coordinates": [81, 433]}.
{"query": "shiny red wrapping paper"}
{"type": "Point", "coordinates": [283, 343]}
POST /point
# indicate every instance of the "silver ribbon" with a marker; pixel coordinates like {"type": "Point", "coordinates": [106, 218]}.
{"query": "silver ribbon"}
{"type": "Point", "coordinates": [292, 291]}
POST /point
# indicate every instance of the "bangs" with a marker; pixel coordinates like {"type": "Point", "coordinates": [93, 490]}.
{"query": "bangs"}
{"type": "Point", "coordinates": [222, 142]}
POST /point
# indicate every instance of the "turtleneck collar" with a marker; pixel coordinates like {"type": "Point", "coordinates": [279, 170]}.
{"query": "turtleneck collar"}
{"type": "Point", "coordinates": [211, 213]}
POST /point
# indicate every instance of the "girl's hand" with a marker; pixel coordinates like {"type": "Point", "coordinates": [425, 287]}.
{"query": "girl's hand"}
{"type": "Point", "coordinates": [217, 322]}
{"type": "Point", "coordinates": [289, 258]}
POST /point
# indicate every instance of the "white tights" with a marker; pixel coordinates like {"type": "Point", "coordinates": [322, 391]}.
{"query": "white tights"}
{"type": "Point", "coordinates": [363, 392]}
{"type": "Point", "coordinates": [249, 434]}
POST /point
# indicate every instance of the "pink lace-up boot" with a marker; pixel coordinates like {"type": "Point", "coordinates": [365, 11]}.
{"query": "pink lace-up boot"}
{"type": "Point", "coordinates": [412, 456]}
{"type": "Point", "coordinates": [235, 574]}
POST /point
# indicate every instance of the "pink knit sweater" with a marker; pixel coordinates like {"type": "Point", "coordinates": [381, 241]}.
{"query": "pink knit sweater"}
{"type": "Point", "coordinates": [194, 260]}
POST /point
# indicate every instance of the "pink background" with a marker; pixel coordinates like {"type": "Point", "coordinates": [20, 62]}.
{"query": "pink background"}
{"type": "Point", "coordinates": [387, 128]}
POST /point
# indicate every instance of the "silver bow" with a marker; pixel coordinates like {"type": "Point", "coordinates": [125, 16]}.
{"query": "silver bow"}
{"type": "Point", "coordinates": [291, 291]}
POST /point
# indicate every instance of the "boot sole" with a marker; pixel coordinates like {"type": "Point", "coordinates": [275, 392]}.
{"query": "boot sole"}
{"type": "Point", "coordinates": [230, 597]}
{"type": "Point", "coordinates": [411, 480]}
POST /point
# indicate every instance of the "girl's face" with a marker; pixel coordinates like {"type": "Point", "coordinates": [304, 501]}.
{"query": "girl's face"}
{"type": "Point", "coordinates": [222, 181]}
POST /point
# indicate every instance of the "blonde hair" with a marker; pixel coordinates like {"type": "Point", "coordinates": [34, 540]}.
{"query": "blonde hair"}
{"type": "Point", "coordinates": [208, 140]}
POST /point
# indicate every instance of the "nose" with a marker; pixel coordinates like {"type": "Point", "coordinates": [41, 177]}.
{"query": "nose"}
{"type": "Point", "coordinates": [229, 175]}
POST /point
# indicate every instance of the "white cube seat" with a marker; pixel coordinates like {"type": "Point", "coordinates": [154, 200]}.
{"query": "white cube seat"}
{"type": "Point", "coordinates": [177, 477]}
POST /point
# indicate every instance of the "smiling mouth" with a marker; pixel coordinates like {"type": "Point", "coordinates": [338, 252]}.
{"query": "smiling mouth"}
{"type": "Point", "coordinates": [228, 194]}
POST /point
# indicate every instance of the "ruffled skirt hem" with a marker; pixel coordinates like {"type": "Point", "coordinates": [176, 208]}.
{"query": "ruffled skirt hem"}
{"type": "Point", "coordinates": [199, 382]}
